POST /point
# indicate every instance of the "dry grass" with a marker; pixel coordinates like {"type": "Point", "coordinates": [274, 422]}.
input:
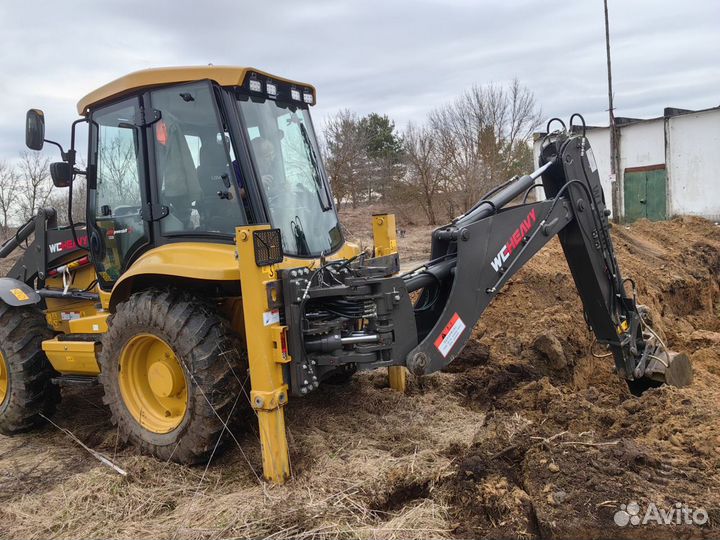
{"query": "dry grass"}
{"type": "Point", "coordinates": [442, 461]}
{"type": "Point", "coordinates": [364, 471]}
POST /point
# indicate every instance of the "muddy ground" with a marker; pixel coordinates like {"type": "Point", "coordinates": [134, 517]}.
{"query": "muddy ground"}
{"type": "Point", "coordinates": [527, 435]}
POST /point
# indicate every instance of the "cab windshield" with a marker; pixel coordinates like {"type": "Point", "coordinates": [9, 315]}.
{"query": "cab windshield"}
{"type": "Point", "coordinates": [285, 155]}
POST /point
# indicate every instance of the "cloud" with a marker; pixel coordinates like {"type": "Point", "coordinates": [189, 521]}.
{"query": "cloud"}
{"type": "Point", "coordinates": [402, 58]}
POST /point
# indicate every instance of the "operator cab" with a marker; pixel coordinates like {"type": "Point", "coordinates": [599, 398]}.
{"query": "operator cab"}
{"type": "Point", "coordinates": [189, 154]}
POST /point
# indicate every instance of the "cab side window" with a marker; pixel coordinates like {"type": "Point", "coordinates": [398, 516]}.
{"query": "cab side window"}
{"type": "Point", "coordinates": [118, 228]}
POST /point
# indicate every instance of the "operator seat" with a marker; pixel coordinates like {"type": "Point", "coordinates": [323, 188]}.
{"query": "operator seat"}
{"type": "Point", "coordinates": [213, 165]}
{"type": "Point", "coordinates": [179, 181]}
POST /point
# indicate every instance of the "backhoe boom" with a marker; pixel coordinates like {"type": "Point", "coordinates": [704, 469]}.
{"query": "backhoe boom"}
{"type": "Point", "coordinates": [356, 313]}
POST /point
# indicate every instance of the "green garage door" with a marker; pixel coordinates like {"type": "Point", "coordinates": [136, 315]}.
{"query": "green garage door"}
{"type": "Point", "coordinates": [645, 190]}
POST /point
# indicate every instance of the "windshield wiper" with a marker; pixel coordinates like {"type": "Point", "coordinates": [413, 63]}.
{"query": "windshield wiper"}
{"type": "Point", "coordinates": [299, 234]}
{"type": "Point", "coordinates": [320, 185]}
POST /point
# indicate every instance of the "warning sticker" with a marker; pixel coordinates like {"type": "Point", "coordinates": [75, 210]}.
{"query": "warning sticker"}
{"type": "Point", "coordinates": [19, 294]}
{"type": "Point", "coordinates": [271, 317]}
{"type": "Point", "coordinates": [450, 334]}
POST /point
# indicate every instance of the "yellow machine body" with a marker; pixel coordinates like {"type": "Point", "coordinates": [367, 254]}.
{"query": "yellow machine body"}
{"type": "Point", "coordinates": [146, 78]}
{"type": "Point", "coordinates": [161, 266]}
{"type": "Point", "coordinates": [153, 382]}
{"type": "Point", "coordinates": [72, 357]}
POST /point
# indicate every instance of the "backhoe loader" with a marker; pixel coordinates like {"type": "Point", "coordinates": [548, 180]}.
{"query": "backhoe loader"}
{"type": "Point", "coordinates": [211, 272]}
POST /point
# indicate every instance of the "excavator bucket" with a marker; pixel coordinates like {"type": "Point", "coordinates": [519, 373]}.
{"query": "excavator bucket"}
{"type": "Point", "coordinates": [670, 368]}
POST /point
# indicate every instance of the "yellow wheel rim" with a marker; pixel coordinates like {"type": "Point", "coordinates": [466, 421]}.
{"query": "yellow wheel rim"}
{"type": "Point", "coordinates": [4, 379]}
{"type": "Point", "coordinates": [153, 384]}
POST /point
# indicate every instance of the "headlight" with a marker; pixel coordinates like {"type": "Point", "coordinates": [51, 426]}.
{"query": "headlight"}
{"type": "Point", "coordinates": [255, 85]}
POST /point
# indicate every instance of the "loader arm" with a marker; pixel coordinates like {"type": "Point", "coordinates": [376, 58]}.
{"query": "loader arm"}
{"type": "Point", "coordinates": [359, 313]}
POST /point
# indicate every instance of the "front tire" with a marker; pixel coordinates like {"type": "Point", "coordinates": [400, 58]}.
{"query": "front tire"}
{"type": "Point", "coordinates": [171, 371]}
{"type": "Point", "coordinates": [26, 389]}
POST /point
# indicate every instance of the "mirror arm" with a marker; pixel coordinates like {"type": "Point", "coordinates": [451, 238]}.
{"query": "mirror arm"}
{"type": "Point", "coordinates": [70, 155]}
{"type": "Point", "coordinates": [70, 158]}
{"type": "Point", "coordinates": [62, 152]}
{"type": "Point", "coordinates": [72, 139]}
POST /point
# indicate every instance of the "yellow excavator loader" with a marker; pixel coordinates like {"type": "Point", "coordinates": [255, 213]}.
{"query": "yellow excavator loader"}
{"type": "Point", "coordinates": [212, 273]}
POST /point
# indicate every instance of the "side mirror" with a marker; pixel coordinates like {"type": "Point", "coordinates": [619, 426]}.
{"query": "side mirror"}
{"type": "Point", "coordinates": [61, 173]}
{"type": "Point", "coordinates": [35, 129]}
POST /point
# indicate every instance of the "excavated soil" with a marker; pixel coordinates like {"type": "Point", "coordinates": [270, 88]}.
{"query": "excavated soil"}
{"type": "Point", "coordinates": [526, 435]}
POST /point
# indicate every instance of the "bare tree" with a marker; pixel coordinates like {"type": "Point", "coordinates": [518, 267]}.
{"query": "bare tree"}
{"type": "Point", "coordinates": [345, 156]}
{"type": "Point", "coordinates": [425, 164]}
{"type": "Point", "coordinates": [485, 135]}
{"type": "Point", "coordinates": [34, 185]}
{"type": "Point", "coordinates": [117, 169]}
{"type": "Point", "coordinates": [8, 196]}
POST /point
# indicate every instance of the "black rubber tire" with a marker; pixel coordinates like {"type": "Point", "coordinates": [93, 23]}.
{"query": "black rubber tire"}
{"type": "Point", "coordinates": [212, 362]}
{"type": "Point", "coordinates": [30, 390]}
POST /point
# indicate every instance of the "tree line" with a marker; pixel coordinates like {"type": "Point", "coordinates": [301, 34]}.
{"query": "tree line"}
{"type": "Point", "coordinates": [441, 165]}
{"type": "Point", "coordinates": [25, 186]}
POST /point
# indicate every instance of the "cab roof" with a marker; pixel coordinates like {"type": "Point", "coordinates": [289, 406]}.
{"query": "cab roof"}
{"type": "Point", "coordinates": [223, 75]}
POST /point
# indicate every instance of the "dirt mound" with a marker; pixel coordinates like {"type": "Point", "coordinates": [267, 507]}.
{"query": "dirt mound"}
{"type": "Point", "coordinates": [526, 435]}
{"type": "Point", "coordinates": [565, 443]}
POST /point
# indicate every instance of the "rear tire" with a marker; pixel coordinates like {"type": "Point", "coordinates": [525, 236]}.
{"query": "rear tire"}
{"type": "Point", "coordinates": [26, 390]}
{"type": "Point", "coordinates": [148, 329]}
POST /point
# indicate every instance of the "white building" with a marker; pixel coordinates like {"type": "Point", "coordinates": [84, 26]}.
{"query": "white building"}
{"type": "Point", "coordinates": [669, 166]}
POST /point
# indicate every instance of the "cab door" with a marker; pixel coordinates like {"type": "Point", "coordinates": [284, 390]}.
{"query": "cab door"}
{"type": "Point", "coordinates": [117, 193]}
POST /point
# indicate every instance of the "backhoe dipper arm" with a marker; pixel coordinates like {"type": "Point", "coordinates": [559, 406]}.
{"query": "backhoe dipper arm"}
{"type": "Point", "coordinates": [356, 314]}
{"type": "Point", "coordinates": [473, 257]}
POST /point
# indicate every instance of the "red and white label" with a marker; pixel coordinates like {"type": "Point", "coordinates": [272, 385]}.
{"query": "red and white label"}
{"type": "Point", "coordinates": [271, 317]}
{"type": "Point", "coordinates": [450, 334]}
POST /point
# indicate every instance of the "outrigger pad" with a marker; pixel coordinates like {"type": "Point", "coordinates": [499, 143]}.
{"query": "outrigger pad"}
{"type": "Point", "coordinates": [679, 372]}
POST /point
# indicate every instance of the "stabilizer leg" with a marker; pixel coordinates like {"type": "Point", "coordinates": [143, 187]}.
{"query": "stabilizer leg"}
{"type": "Point", "coordinates": [385, 240]}
{"type": "Point", "coordinates": [398, 378]}
{"type": "Point", "coordinates": [266, 356]}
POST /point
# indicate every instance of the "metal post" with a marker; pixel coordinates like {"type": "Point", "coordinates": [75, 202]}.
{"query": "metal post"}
{"type": "Point", "coordinates": [615, 176]}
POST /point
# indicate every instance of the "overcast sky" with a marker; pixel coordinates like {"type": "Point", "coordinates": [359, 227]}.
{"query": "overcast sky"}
{"type": "Point", "coordinates": [401, 58]}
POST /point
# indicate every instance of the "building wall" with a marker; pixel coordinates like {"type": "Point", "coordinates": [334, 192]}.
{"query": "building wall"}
{"type": "Point", "coordinates": [600, 143]}
{"type": "Point", "coordinates": [641, 144]}
{"type": "Point", "coordinates": [599, 139]}
{"type": "Point", "coordinates": [688, 144]}
{"type": "Point", "coordinates": [693, 164]}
